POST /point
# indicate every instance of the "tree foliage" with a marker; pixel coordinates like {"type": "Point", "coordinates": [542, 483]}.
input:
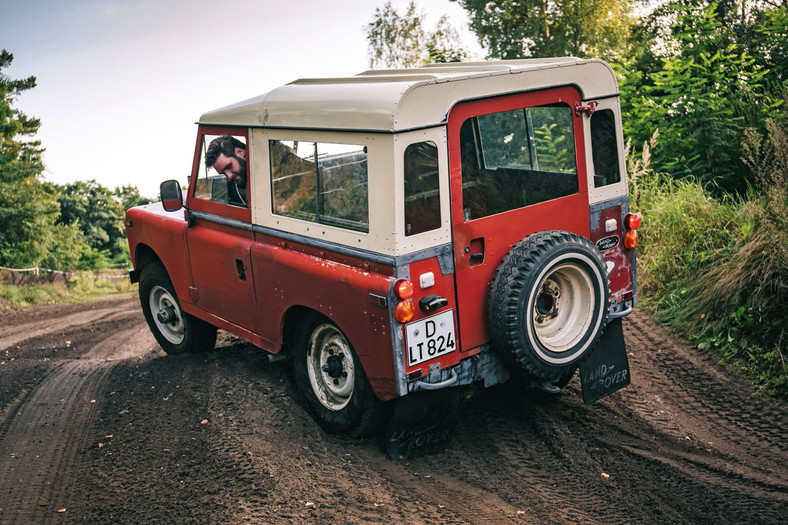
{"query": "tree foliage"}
{"type": "Point", "coordinates": [403, 41]}
{"type": "Point", "coordinates": [93, 208]}
{"type": "Point", "coordinates": [511, 29]}
{"type": "Point", "coordinates": [78, 225]}
{"type": "Point", "coordinates": [702, 78]}
{"type": "Point", "coordinates": [26, 210]}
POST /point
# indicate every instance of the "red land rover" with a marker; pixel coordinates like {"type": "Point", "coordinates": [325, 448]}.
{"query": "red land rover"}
{"type": "Point", "coordinates": [403, 231]}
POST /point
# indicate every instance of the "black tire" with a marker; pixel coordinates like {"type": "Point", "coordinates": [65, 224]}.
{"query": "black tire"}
{"type": "Point", "coordinates": [176, 331]}
{"type": "Point", "coordinates": [548, 303]}
{"type": "Point", "coordinates": [332, 381]}
{"type": "Point", "coordinates": [564, 380]}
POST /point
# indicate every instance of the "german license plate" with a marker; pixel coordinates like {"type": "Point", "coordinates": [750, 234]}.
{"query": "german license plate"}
{"type": "Point", "coordinates": [430, 338]}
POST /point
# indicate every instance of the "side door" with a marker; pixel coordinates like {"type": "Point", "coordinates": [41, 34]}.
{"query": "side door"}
{"type": "Point", "coordinates": [517, 167]}
{"type": "Point", "coordinates": [219, 238]}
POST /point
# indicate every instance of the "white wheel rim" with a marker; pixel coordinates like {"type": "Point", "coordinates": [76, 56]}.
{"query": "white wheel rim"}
{"type": "Point", "coordinates": [330, 367]}
{"type": "Point", "coordinates": [160, 300]}
{"type": "Point", "coordinates": [563, 307]}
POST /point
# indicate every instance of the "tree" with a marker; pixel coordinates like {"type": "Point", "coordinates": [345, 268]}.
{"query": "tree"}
{"type": "Point", "coordinates": [78, 225]}
{"type": "Point", "coordinates": [26, 210]}
{"type": "Point", "coordinates": [402, 41]}
{"type": "Point", "coordinates": [512, 29]}
{"type": "Point", "coordinates": [696, 81]}
{"type": "Point", "coordinates": [129, 196]}
{"type": "Point", "coordinates": [97, 212]}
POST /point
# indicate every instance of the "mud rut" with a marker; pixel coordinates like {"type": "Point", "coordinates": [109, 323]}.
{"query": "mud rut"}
{"type": "Point", "coordinates": [98, 425]}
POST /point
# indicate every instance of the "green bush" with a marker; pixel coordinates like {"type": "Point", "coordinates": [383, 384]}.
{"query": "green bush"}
{"type": "Point", "coordinates": [716, 269]}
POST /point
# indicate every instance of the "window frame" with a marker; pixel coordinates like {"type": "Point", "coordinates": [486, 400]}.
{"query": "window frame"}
{"type": "Point", "coordinates": [468, 116]}
{"type": "Point", "coordinates": [466, 109]}
{"type": "Point", "coordinates": [437, 188]}
{"type": "Point", "coordinates": [321, 218]}
{"type": "Point", "coordinates": [227, 210]}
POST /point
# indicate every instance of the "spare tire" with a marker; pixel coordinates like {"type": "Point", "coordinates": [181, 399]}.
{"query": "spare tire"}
{"type": "Point", "coordinates": [548, 303]}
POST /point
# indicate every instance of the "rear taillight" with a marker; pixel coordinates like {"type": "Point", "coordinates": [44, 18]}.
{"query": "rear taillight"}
{"type": "Point", "coordinates": [630, 239]}
{"type": "Point", "coordinates": [404, 289]}
{"type": "Point", "coordinates": [405, 309]}
{"type": "Point", "coordinates": [632, 222]}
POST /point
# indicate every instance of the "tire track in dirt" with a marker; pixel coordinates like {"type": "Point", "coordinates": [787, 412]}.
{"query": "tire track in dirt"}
{"type": "Point", "coordinates": [217, 438]}
{"type": "Point", "coordinates": [740, 438]}
{"type": "Point", "coordinates": [16, 334]}
{"type": "Point", "coordinates": [41, 441]}
{"type": "Point", "coordinates": [284, 481]}
{"type": "Point", "coordinates": [460, 502]}
{"type": "Point", "coordinates": [533, 454]}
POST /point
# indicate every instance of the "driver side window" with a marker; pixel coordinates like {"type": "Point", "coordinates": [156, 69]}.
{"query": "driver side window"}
{"type": "Point", "coordinates": [222, 175]}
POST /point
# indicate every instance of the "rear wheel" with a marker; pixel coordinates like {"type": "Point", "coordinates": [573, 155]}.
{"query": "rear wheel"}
{"type": "Point", "coordinates": [548, 303]}
{"type": "Point", "coordinates": [176, 331]}
{"type": "Point", "coordinates": [332, 381]}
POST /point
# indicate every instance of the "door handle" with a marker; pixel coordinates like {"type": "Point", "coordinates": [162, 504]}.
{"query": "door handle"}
{"type": "Point", "coordinates": [241, 267]}
{"type": "Point", "coordinates": [476, 250]}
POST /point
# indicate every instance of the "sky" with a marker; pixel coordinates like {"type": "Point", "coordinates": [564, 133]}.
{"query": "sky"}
{"type": "Point", "coordinates": [121, 83]}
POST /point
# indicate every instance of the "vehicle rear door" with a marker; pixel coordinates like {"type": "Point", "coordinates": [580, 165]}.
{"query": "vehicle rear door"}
{"type": "Point", "coordinates": [517, 167]}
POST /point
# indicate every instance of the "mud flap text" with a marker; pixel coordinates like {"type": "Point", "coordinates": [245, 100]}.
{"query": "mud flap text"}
{"type": "Point", "coordinates": [606, 369]}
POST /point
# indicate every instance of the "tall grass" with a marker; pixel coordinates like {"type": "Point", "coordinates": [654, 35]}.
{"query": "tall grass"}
{"type": "Point", "coordinates": [80, 288]}
{"type": "Point", "coordinates": [716, 270]}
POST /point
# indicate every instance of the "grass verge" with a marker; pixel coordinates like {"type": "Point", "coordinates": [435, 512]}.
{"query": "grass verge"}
{"type": "Point", "coordinates": [80, 288]}
{"type": "Point", "coordinates": [716, 270]}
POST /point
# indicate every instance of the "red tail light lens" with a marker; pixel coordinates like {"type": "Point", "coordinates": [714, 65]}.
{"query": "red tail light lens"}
{"type": "Point", "coordinates": [403, 289]}
{"type": "Point", "coordinates": [632, 220]}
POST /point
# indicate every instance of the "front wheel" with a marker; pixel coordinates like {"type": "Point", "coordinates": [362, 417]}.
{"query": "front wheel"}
{"type": "Point", "coordinates": [176, 331]}
{"type": "Point", "coordinates": [332, 382]}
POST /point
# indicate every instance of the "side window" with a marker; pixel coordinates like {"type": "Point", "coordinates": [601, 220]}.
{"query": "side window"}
{"type": "Point", "coordinates": [320, 182]}
{"type": "Point", "coordinates": [222, 175]}
{"type": "Point", "coordinates": [604, 148]}
{"type": "Point", "coordinates": [422, 188]}
{"type": "Point", "coordinates": [517, 158]}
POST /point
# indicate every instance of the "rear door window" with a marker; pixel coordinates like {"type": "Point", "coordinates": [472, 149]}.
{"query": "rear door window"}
{"type": "Point", "coordinates": [517, 158]}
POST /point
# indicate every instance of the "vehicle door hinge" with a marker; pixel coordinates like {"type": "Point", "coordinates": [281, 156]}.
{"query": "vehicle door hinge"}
{"type": "Point", "coordinates": [194, 293]}
{"type": "Point", "coordinates": [588, 109]}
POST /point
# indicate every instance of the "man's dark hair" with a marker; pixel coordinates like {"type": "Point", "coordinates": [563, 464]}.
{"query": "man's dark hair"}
{"type": "Point", "coordinates": [225, 144]}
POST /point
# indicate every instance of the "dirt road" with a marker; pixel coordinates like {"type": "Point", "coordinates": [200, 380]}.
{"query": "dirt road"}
{"type": "Point", "coordinates": [98, 425]}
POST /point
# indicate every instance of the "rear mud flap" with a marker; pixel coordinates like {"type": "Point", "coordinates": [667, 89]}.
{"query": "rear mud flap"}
{"type": "Point", "coordinates": [421, 423]}
{"type": "Point", "coordinates": [606, 369]}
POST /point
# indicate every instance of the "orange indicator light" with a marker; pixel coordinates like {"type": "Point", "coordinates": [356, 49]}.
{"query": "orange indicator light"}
{"type": "Point", "coordinates": [631, 239]}
{"type": "Point", "coordinates": [404, 311]}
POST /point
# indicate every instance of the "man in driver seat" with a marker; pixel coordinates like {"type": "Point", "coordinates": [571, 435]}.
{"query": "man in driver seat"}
{"type": "Point", "coordinates": [227, 155]}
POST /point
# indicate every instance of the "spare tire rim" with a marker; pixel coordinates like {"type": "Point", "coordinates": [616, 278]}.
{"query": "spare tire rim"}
{"type": "Point", "coordinates": [563, 307]}
{"type": "Point", "coordinates": [330, 367]}
{"type": "Point", "coordinates": [162, 302]}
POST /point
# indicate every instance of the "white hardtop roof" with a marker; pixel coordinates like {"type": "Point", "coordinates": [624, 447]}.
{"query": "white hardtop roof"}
{"type": "Point", "coordinates": [403, 99]}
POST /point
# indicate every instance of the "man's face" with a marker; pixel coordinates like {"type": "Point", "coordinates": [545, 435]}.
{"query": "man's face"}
{"type": "Point", "coordinates": [234, 167]}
